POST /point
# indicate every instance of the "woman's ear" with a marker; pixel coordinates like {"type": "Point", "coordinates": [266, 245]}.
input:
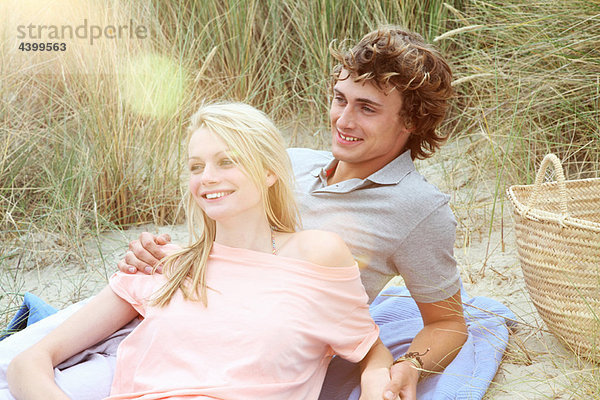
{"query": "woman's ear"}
{"type": "Point", "coordinates": [271, 178]}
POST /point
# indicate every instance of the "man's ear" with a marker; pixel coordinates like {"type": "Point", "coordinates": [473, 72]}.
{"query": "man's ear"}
{"type": "Point", "coordinates": [271, 178]}
{"type": "Point", "coordinates": [408, 128]}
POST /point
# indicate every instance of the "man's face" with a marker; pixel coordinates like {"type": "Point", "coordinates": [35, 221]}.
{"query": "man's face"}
{"type": "Point", "coordinates": [367, 130]}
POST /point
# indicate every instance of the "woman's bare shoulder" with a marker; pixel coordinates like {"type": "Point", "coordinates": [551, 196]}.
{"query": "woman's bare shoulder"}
{"type": "Point", "coordinates": [319, 247]}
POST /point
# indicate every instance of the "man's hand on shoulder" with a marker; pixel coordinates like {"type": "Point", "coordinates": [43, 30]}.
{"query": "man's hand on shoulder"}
{"type": "Point", "coordinates": [325, 248]}
{"type": "Point", "coordinates": [146, 252]}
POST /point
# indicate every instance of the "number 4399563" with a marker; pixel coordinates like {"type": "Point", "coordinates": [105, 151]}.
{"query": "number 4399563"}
{"type": "Point", "coordinates": [26, 46]}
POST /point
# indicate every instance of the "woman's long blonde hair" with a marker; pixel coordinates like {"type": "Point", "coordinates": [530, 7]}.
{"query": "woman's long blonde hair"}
{"type": "Point", "coordinates": [259, 148]}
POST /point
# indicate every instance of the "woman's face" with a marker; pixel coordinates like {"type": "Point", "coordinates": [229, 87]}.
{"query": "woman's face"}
{"type": "Point", "coordinates": [220, 187]}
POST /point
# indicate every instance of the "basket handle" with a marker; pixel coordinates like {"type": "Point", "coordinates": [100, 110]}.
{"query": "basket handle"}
{"type": "Point", "coordinates": [560, 179]}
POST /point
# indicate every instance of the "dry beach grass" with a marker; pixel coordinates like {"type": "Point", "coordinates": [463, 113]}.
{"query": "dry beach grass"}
{"type": "Point", "coordinates": [88, 157]}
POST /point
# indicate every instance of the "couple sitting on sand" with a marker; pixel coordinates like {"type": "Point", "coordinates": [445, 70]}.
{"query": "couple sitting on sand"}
{"type": "Point", "coordinates": [254, 308]}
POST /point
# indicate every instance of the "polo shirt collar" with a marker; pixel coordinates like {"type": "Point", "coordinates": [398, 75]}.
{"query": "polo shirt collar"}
{"type": "Point", "coordinates": [326, 170]}
{"type": "Point", "coordinates": [394, 171]}
{"type": "Point", "coordinates": [391, 174]}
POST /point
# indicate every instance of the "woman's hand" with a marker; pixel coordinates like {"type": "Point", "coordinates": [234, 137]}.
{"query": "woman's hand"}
{"type": "Point", "coordinates": [404, 379]}
{"type": "Point", "coordinates": [373, 384]}
{"type": "Point", "coordinates": [375, 372]}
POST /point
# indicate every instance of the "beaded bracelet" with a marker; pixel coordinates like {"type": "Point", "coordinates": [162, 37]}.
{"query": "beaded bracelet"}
{"type": "Point", "coordinates": [414, 357]}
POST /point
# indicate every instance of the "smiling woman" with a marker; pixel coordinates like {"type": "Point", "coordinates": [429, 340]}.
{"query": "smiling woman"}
{"type": "Point", "coordinates": [250, 309]}
{"type": "Point", "coordinates": [239, 172]}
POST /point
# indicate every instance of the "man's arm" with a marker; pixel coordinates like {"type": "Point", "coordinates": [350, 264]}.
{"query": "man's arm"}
{"type": "Point", "coordinates": [428, 253]}
{"type": "Point", "coordinates": [443, 334]}
{"type": "Point", "coordinates": [445, 328]}
{"type": "Point", "coordinates": [30, 375]}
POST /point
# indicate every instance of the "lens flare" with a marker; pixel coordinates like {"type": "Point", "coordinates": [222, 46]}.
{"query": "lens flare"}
{"type": "Point", "coordinates": [152, 85]}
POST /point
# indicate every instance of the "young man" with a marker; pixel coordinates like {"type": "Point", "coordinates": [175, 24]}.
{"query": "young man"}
{"type": "Point", "coordinates": [390, 93]}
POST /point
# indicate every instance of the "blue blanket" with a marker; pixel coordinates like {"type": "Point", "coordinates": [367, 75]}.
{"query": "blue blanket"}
{"type": "Point", "coordinates": [32, 310]}
{"type": "Point", "coordinates": [399, 319]}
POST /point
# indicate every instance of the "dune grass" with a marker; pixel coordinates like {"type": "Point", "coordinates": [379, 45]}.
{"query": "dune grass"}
{"type": "Point", "coordinates": [100, 129]}
{"type": "Point", "coordinates": [526, 77]}
{"type": "Point", "coordinates": [86, 151]}
{"type": "Point", "coordinates": [531, 72]}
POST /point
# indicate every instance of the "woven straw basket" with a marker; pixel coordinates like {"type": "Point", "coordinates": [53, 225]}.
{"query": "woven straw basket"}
{"type": "Point", "coordinates": [557, 227]}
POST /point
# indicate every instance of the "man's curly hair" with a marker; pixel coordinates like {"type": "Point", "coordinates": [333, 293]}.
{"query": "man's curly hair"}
{"type": "Point", "coordinates": [392, 56]}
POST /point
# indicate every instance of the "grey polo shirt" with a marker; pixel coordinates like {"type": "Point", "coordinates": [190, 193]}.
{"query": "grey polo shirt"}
{"type": "Point", "coordinates": [394, 221]}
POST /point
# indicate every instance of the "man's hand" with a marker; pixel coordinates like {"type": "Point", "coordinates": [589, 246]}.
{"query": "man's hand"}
{"type": "Point", "coordinates": [374, 383]}
{"type": "Point", "coordinates": [404, 379]}
{"type": "Point", "coordinates": [144, 253]}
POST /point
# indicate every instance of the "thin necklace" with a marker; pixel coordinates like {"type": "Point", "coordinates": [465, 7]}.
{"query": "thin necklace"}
{"type": "Point", "coordinates": [274, 250]}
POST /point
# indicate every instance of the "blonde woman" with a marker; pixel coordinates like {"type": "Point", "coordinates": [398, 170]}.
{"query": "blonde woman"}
{"type": "Point", "coordinates": [251, 309]}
